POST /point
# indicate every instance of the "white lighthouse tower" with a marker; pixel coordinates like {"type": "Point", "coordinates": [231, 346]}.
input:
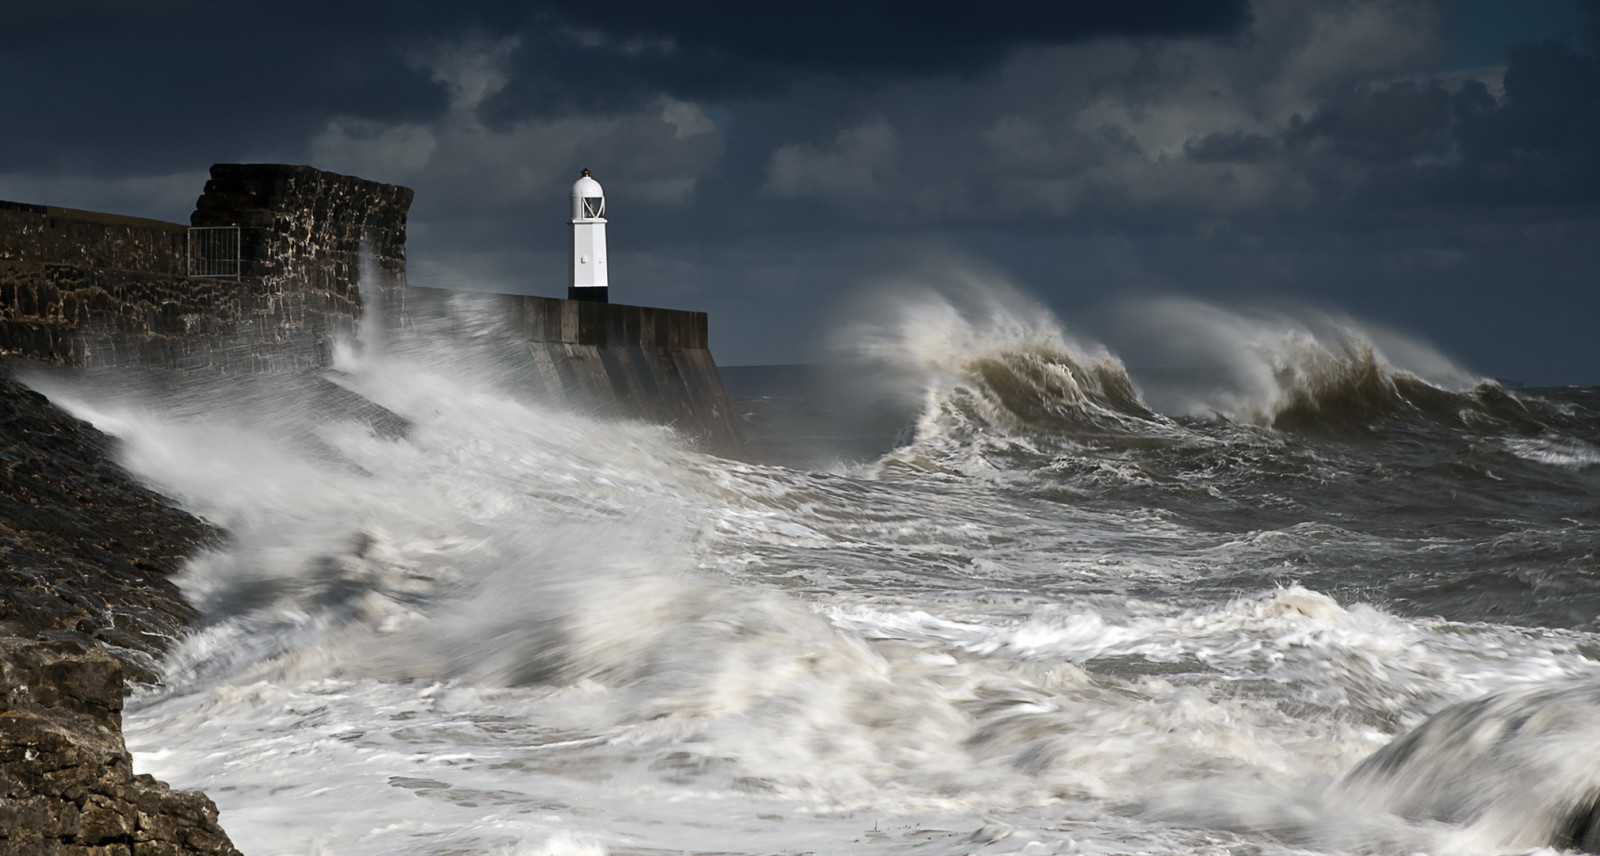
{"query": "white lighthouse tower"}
{"type": "Point", "coordinates": [586, 270]}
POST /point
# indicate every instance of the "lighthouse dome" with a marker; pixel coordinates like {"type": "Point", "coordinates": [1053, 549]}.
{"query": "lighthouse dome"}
{"type": "Point", "coordinates": [586, 186]}
{"type": "Point", "coordinates": [588, 199]}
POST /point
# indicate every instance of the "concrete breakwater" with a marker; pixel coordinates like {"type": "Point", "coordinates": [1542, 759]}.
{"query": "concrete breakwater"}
{"type": "Point", "coordinates": [609, 359]}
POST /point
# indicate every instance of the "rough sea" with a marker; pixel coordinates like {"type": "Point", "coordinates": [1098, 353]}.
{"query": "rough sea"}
{"type": "Point", "coordinates": [980, 590]}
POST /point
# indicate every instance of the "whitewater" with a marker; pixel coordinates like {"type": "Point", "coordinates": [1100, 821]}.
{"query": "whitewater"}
{"type": "Point", "coordinates": [1333, 596]}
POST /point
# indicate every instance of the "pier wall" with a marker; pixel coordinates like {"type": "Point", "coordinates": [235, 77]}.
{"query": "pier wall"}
{"type": "Point", "coordinates": [611, 359]}
{"type": "Point", "coordinates": [86, 289]}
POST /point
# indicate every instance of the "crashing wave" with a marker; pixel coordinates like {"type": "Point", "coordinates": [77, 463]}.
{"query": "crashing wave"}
{"type": "Point", "coordinates": [1313, 371]}
{"type": "Point", "coordinates": [1515, 770]}
{"type": "Point", "coordinates": [987, 366]}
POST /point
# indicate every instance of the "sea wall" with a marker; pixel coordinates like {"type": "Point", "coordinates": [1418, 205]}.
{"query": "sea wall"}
{"type": "Point", "coordinates": [84, 289]}
{"type": "Point", "coordinates": [649, 364]}
{"type": "Point", "coordinates": [609, 359]}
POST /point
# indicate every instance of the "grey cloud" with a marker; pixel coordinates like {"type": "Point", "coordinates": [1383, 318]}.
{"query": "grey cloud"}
{"type": "Point", "coordinates": [1232, 147]}
{"type": "Point", "coordinates": [1550, 119]}
{"type": "Point", "coordinates": [168, 84]}
{"type": "Point", "coordinates": [895, 37]}
{"type": "Point", "coordinates": [1533, 148]}
{"type": "Point", "coordinates": [1392, 123]}
{"type": "Point", "coordinates": [853, 168]}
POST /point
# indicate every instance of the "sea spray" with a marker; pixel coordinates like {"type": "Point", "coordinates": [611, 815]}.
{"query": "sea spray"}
{"type": "Point", "coordinates": [1283, 367]}
{"type": "Point", "coordinates": [991, 370]}
{"type": "Point", "coordinates": [1513, 770]}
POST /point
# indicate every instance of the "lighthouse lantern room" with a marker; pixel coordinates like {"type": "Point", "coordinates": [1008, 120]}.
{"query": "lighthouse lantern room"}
{"type": "Point", "coordinates": [586, 269]}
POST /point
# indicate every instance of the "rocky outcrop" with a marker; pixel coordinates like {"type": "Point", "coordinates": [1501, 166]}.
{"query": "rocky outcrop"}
{"type": "Point", "coordinates": [83, 547]}
{"type": "Point", "coordinates": [86, 604]}
{"type": "Point", "coordinates": [67, 785]}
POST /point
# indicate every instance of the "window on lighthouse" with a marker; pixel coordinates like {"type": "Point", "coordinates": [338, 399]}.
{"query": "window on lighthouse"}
{"type": "Point", "coordinates": [594, 207]}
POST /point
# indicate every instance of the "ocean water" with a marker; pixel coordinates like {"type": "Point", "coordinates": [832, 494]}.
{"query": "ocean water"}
{"type": "Point", "coordinates": [983, 593]}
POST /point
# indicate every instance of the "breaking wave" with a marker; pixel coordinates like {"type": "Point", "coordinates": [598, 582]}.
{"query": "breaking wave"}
{"type": "Point", "coordinates": [991, 370]}
{"type": "Point", "coordinates": [1511, 770]}
{"type": "Point", "coordinates": [988, 369]}
{"type": "Point", "coordinates": [1297, 370]}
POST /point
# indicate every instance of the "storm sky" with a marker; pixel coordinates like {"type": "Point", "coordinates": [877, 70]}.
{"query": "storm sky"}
{"type": "Point", "coordinates": [1428, 167]}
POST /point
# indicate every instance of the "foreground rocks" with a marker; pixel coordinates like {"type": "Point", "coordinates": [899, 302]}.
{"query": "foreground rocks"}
{"type": "Point", "coordinates": [66, 780]}
{"type": "Point", "coordinates": [86, 604]}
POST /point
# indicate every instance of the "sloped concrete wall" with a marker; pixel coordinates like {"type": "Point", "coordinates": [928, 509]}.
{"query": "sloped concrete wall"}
{"type": "Point", "coordinates": [610, 359]}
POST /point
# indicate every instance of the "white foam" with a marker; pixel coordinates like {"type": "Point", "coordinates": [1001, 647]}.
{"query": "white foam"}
{"type": "Point", "coordinates": [1567, 452]}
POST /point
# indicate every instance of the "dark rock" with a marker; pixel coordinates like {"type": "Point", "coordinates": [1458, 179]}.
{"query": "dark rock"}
{"type": "Point", "coordinates": [66, 780]}
{"type": "Point", "coordinates": [83, 547]}
{"type": "Point", "coordinates": [85, 605]}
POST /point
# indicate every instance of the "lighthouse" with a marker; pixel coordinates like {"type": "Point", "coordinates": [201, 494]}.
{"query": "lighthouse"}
{"type": "Point", "coordinates": [586, 269]}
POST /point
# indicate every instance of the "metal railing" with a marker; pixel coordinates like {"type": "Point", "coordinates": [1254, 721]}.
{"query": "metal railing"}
{"type": "Point", "coordinates": [214, 251]}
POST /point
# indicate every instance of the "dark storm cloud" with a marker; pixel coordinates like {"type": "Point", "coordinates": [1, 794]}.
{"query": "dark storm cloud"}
{"type": "Point", "coordinates": [1542, 142]}
{"type": "Point", "coordinates": [1393, 123]}
{"type": "Point", "coordinates": [597, 56]}
{"type": "Point", "coordinates": [100, 85]}
{"type": "Point", "coordinates": [98, 82]}
{"type": "Point", "coordinates": [1232, 147]}
{"type": "Point", "coordinates": [847, 37]}
{"type": "Point", "coordinates": [1533, 148]}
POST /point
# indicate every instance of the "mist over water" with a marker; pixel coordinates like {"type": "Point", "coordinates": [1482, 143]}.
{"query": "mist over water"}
{"type": "Point", "coordinates": [1056, 612]}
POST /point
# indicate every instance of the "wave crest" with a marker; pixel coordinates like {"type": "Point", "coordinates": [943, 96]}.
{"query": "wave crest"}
{"type": "Point", "coordinates": [1299, 370]}
{"type": "Point", "coordinates": [984, 364]}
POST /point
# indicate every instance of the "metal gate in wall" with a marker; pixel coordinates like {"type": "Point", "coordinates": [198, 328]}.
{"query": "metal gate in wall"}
{"type": "Point", "coordinates": [214, 251]}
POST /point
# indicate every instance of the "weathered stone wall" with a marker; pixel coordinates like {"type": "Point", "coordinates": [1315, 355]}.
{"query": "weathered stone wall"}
{"type": "Point", "coordinates": [66, 236]}
{"type": "Point", "coordinates": [84, 316]}
{"type": "Point", "coordinates": [80, 288]}
{"type": "Point", "coordinates": [305, 235]}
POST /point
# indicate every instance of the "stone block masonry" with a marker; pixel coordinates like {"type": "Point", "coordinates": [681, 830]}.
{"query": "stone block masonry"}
{"type": "Point", "coordinates": [304, 235]}
{"type": "Point", "coordinates": [86, 289]}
